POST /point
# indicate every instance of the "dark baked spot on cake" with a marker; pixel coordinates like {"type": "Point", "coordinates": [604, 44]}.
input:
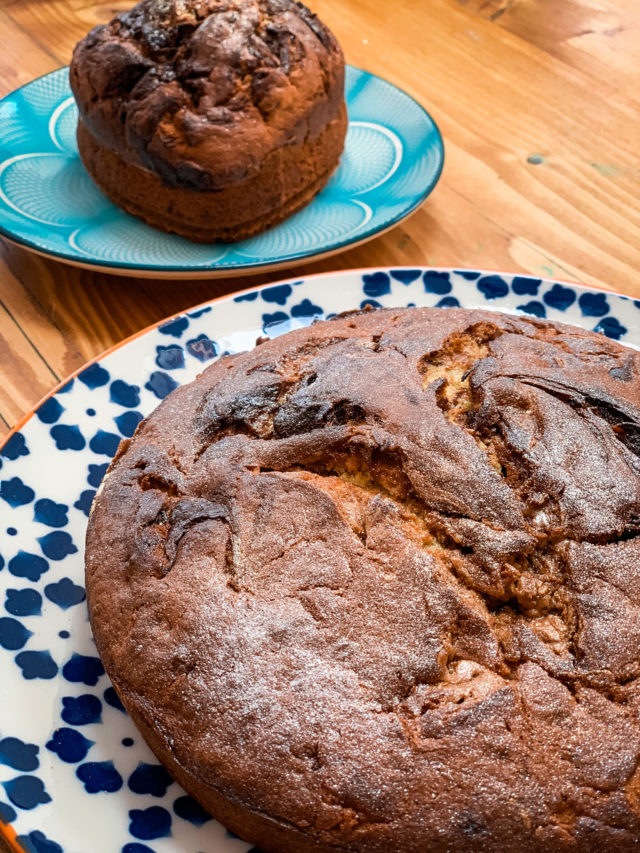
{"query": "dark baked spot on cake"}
{"type": "Point", "coordinates": [472, 825]}
{"type": "Point", "coordinates": [185, 515]}
{"type": "Point", "coordinates": [624, 372]}
{"type": "Point", "coordinates": [406, 547]}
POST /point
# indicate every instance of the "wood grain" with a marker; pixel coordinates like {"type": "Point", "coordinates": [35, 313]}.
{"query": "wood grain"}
{"type": "Point", "coordinates": [538, 105]}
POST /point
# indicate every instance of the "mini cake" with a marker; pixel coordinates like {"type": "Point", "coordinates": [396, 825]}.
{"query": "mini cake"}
{"type": "Point", "coordinates": [215, 119]}
{"type": "Point", "coordinates": [375, 586]}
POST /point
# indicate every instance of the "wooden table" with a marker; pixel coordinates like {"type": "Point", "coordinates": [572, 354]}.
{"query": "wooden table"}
{"type": "Point", "coordinates": [538, 102]}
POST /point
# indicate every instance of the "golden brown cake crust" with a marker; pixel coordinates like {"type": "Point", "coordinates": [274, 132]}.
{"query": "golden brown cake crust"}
{"type": "Point", "coordinates": [375, 586]}
{"type": "Point", "coordinates": [199, 92]}
{"type": "Point", "coordinates": [290, 178]}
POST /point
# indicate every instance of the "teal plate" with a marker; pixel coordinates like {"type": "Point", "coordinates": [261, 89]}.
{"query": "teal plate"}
{"type": "Point", "coordinates": [48, 203]}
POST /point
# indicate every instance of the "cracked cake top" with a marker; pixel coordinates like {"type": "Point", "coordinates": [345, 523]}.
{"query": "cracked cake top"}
{"type": "Point", "coordinates": [379, 579]}
{"type": "Point", "coordinates": [200, 91]}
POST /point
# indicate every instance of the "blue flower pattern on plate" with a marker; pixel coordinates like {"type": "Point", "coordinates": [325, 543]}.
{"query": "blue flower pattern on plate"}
{"type": "Point", "coordinates": [88, 742]}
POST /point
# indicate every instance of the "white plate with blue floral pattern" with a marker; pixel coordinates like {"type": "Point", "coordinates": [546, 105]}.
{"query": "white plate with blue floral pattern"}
{"type": "Point", "coordinates": [48, 203]}
{"type": "Point", "coordinates": [75, 775]}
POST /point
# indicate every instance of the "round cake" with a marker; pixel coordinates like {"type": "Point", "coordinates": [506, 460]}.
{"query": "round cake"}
{"type": "Point", "coordinates": [215, 119]}
{"type": "Point", "coordinates": [375, 586]}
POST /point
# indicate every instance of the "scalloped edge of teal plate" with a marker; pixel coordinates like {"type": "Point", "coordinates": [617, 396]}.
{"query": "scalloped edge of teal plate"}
{"type": "Point", "coordinates": [431, 146]}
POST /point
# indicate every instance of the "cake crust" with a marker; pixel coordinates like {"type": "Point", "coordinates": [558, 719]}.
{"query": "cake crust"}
{"type": "Point", "coordinates": [374, 586]}
{"type": "Point", "coordinates": [290, 178]}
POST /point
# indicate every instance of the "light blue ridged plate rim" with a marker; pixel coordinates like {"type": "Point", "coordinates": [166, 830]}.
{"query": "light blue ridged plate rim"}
{"type": "Point", "coordinates": [48, 203]}
{"type": "Point", "coordinates": [70, 760]}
